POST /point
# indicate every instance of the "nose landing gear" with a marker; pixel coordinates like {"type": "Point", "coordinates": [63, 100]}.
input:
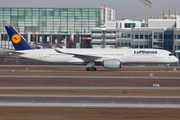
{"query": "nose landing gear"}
{"type": "Point", "coordinates": [166, 68]}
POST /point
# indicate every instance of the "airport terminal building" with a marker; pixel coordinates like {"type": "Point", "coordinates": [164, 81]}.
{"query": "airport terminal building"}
{"type": "Point", "coordinates": [97, 25]}
{"type": "Point", "coordinates": [51, 22]}
{"type": "Point", "coordinates": [159, 34]}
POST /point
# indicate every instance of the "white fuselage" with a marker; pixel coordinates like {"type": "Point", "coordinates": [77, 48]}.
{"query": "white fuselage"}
{"type": "Point", "coordinates": [124, 55]}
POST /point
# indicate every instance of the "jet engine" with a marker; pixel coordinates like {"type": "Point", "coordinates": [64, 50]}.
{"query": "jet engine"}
{"type": "Point", "coordinates": [112, 64]}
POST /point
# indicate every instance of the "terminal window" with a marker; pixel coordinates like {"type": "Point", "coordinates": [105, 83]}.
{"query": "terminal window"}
{"type": "Point", "coordinates": [130, 25]}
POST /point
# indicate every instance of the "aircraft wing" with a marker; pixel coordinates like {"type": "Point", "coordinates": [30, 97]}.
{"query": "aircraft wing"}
{"type": "Point", "coordinates": [80, 55]}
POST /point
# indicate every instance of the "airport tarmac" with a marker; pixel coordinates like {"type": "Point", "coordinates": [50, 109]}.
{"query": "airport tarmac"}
{"type": "Point", "coordinates": [89, 101]}
{"type": "Point", "coordinates": [89, 88]}
{"type": "Point", "coordinates": [86, 71]}
{"type": "Point", "coordinates": [92, 77]}
{"type": "Point", "coordinates": [52, 80]}
{"type": "Point", "coordinates": [85, 113]}
{"type": "Point", "coordinates": [68, 91]}
{"type": "Point", "coordinates": [83, 68]}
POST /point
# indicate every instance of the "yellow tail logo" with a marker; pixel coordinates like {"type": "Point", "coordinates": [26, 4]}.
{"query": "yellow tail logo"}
{"type": "Point", "coordinates": [16, 38]}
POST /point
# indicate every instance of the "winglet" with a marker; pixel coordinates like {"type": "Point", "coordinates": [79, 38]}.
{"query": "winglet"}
{"type": "Point", "coordinates": [17, 40]}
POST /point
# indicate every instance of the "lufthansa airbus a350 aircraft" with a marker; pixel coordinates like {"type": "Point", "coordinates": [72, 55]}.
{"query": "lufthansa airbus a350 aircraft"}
{"type": "Point", "coordinates": [109, 58]}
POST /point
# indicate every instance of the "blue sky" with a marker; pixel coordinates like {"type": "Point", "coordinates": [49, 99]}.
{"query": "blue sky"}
{"type": "Point", "coordinates": [129, 9]}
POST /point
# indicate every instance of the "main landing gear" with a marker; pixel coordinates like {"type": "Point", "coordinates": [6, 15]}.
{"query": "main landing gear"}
{"type": "Point", "coordinates": [91, 69]}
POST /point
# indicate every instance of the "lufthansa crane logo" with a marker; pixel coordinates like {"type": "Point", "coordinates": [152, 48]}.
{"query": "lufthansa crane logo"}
{"type": "Point", "coordinates": [16, 38]}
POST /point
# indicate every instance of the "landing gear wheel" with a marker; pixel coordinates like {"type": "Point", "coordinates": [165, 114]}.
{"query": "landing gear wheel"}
{"type": "Point", "coordinates": [93, 69]}
{"type": "Point", "coordinates": [88, 69]}
{"type": "Point", "coordinates": [166, 69]}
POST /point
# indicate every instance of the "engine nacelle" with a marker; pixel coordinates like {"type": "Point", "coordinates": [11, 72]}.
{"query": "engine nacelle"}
{"type": "Point", "coordinates": [112, 64]}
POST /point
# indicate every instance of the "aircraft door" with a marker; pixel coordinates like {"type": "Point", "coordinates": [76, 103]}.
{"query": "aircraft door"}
{"type": "Point", "coordinates": [160, 54]}
{"type": "Point", "coordinates": [129, 54]}
{"type": "Point", "coordinates": [155, 57]}
{"type": "Point", "coordinates": [40, 54]}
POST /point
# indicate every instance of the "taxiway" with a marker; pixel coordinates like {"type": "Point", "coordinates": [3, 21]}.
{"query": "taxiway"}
{"type": "Point", "coordinates": [89, 101]}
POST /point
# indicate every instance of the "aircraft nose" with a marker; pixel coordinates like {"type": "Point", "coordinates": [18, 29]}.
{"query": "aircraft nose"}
{"type": "Point", "coordinates": [176, 59]}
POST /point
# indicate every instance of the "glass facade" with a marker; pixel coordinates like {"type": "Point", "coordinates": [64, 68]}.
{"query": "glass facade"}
{"type": "Point", "coordinates": [130, 25]}
{"type": "Point", "coordinates": [50, 20]}
{"type": "Point", "coordinates": [176, 39]}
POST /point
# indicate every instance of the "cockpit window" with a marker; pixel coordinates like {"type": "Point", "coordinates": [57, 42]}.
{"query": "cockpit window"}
{"type": "Point", "coordinates": [171, 54]}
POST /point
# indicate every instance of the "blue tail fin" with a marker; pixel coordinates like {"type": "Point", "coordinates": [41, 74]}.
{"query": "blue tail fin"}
{"type": "Point", "coordinates": [17, 40]}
